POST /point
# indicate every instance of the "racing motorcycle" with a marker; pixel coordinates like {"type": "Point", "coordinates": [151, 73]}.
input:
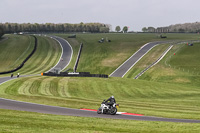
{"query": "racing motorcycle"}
{"type": "Point", "coordinates": [107, 109]}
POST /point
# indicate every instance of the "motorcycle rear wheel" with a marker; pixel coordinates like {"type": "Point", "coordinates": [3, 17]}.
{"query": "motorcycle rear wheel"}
{"type": "Point", "coordinates": [113, 111]}
{"type": "Point", "coordinates": [99, 111]}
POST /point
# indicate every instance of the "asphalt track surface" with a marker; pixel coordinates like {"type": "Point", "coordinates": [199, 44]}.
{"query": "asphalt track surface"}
{"type": "Point", "coordinates": [128, 64]}
{"type": "Point", "coordinates": [32, 107]}
{"type": "Point", "coordinates": [66, 53]}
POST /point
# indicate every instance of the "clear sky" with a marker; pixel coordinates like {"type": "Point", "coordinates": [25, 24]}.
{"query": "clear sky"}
{"type": "Point", "coordinates": [135, 14]}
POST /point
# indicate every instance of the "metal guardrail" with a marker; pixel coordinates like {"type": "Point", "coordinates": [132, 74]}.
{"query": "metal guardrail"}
{"type": "Point", "coordinates": [78, 57]}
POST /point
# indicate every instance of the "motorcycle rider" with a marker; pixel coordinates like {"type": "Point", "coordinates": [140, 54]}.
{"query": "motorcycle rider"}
{"type": "Point", "coordinates": [111, 101]}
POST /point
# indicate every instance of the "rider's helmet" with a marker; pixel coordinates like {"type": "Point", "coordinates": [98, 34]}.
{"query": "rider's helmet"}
{"type": "Point", "coordinates": [112, 96]}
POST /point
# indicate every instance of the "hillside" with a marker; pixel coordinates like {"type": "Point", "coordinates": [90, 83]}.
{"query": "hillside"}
{"type": "Point", "coordinates": [14, 50]}
{"type": "Point", "coordinates": [17, 47]}
{"type": "Point", "coordinates": [183, 67]}
{"type": "Point", "coordinates": [104, 58]}
{"type": "Point", "coordinates": [164, 91]}
{"type": "Point", "coordinates": [153, 95]}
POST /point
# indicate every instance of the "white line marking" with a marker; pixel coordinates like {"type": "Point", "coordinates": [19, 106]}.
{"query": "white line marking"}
{"type": "Point", "coordinates": [137, 61]}
{"type": "Point", "coordinates": [154, 63]}
{"type": "Point", "coordinates": [128, 59]}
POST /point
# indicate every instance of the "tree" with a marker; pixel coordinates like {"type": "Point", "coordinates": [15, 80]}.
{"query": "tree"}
{"type": "Point", "coordinates": [104, 30]}
{"type": "Point", "coordinates": [1, 32]}
{"type": "Point", "coordinates": [125, 29]}
{"type": "Point", "coordinates": [144, 29]}
{"type": "Point", "coordinates": [117, 28]}
{"type": "Point", "coordinates": [181, 30]}
{"type": "Point", "coordinates": [151, 29]}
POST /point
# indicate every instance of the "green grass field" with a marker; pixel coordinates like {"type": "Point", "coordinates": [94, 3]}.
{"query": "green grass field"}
{"type": "Point", "coordinates": [169, 89]}
{"type": "Point", "coordinates": [183, 67]}
{"type": "Point", "coordinates": [46, 56]}
{"type": "Point", "coordinates": [19, 121]}
{"type": "Point", "coordinates": [14, 50]}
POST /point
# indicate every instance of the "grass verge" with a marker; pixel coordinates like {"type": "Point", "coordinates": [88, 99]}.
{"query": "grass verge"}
{"type": "Point", "coordinates": [20, 121]}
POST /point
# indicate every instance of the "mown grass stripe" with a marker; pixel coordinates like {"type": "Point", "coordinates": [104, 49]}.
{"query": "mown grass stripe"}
{"type": "Point", "coordinates": [53, 89]}
{"type": "Point", "coordinates": [63, 87]}
{"type": "Point", "coordinates": [34, 89]}
{"type": "Point", "coordinates": [45, 57]}
{"type": "Point", "coordinates": [45, 85]}
{"type": "Point", "coordinates": [13, 88]}
{"type": "Point", "coordinates": [24, 88]}
{"type": "Point", "coordinates": [44, 62]}
{"type": "Point", "coordinates": [51, 58]}
{"type": "Point", "coordinates": [37, 59]}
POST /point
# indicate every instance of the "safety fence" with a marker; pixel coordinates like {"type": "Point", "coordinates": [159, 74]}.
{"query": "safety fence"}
{"type": "Point", "coordinates": [72, 74]}
{"type": "Point", "coordinates": [78, 57]}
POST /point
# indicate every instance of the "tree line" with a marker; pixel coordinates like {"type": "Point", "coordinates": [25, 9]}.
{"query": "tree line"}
{"type": "Point", "coordinates": [180, 28]}
{"type": "Point", "coordinates": [186, 27]}
{"type": "Point", "coordinates": [51, 27]}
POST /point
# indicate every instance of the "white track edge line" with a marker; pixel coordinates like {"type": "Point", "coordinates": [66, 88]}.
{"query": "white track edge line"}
{"type": "Point", "coordinates": [71, 53]}
{"type": "Point", "coordinates": [128, 59]}
{"type": "Point", "coordinates": [61, 53]}
{"type": "Point", "coordinates": [53, 37]}
{"type": "Point", "coordinates": [138, 60]}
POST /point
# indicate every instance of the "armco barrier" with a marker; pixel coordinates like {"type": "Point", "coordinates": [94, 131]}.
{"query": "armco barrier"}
{"type": "Point", "coordinates": [22, 64]}
{"type": "Point", "coordinates": [78, 57]}
{"type": "Point", "coordinates": [80, 74]}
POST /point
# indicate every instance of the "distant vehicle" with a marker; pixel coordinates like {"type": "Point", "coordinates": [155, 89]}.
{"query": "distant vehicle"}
{"type": "Point", "coordinates": [72, 36]}
{"type": "Point", "coordinates": [20, 33]}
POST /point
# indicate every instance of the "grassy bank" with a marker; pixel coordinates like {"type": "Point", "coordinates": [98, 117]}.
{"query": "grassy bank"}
{"type": "Point", "coordinates": [147, 60]}
{"type": "Point", "coordinates": [46, 56]}
{"type": "Point", "coordinates": [183, 67]}
{"type": "Point", "coordinates": [14, 50]}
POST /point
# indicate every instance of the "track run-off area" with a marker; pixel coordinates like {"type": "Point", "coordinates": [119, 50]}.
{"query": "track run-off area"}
{"type": "Point", "coordinates": [63, 62]}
